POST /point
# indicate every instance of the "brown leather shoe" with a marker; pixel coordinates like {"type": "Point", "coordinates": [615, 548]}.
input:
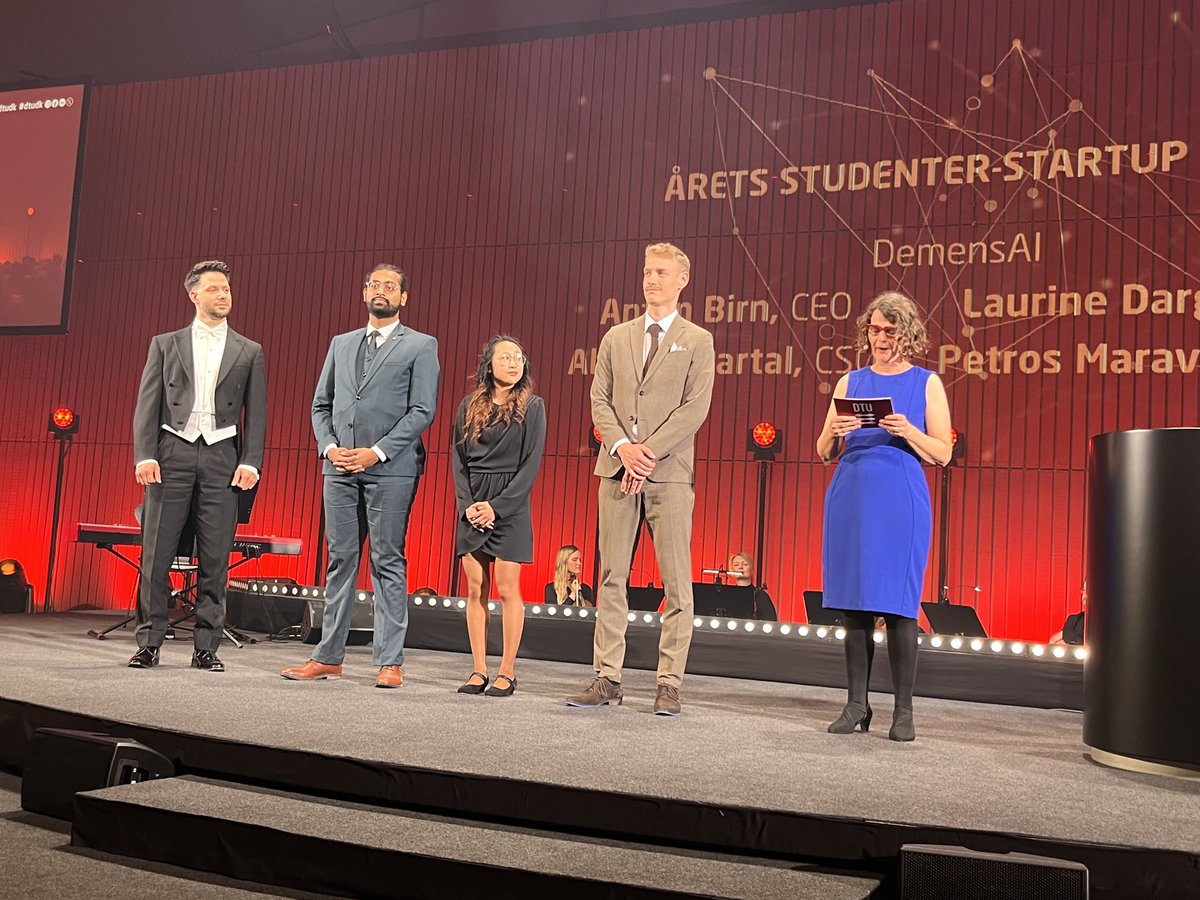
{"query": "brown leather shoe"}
{"type": "Point", "coordinates": [390, 677]}
{"type": "Point", "coordinates": [666, 702]}
{"type": "Point", "coordinates": [600, 692]}
{"type": "Point", "coordinates": [312, 671]}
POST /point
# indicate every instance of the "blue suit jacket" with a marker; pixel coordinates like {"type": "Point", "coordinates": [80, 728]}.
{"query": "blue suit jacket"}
{"type": "Point", "coordinates": [390, 409]}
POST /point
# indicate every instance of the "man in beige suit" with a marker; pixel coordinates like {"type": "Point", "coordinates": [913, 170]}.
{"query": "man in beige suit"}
{"type": "Point", "coordinates": [650, 395]}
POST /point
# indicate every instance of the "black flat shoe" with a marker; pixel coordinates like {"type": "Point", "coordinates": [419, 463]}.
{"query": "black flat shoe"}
{"type": "Point", "coordinates": [207, 660]}
{"type": "Point", "coordinates": [145, 658]}
{"type": "Point", "coordinates": [494, 691]}
{"type": "Point", "coordinates": [470, 688]}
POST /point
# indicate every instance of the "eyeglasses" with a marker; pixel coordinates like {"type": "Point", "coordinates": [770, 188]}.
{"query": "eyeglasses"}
{"type": "Point", "coordinates": [388, 286]}
{"type": "Point", "coordinates": [877, 330]}
{"type": "Point", "coordinates": [511, 358]}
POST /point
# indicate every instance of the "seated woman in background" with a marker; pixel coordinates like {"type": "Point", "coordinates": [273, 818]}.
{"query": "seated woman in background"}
{"type": "Point", "coordinates": [566, 589]}
{"type": "Point", "coordinates": [743, 565]}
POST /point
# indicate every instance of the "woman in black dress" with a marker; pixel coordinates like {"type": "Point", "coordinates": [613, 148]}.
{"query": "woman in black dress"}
{"type": "Point", "coordinates": [498, 437]}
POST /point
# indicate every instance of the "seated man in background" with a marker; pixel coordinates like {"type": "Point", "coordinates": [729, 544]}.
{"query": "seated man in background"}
{"type": "Point", "coordinates": [1072, 631]}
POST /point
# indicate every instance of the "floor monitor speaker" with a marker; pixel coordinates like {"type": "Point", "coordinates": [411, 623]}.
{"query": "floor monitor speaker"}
{"type": "Point", "coordinates": [63, 762]}
{"type": "Point", "coordinates": [939, 872]}
{"type": "Point", "coordinates": [362, 622]}
{"type": "Point", "coordinates": [265, 611]}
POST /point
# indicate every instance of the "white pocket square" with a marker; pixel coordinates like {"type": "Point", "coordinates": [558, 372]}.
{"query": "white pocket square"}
{"type": "Point", "coordinates": [676, 348]}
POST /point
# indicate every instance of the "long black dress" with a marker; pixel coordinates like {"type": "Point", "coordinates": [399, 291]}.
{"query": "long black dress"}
{"type": "Point", "coordinates": [500, 468]}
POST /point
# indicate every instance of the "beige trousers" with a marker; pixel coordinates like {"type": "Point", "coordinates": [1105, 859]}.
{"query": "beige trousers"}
{"type": "Point", "coordinates": [667, 509]}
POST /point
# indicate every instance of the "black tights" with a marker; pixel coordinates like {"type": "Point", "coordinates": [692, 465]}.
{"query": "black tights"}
{"type": "Point", "coordinates": [860, 652]}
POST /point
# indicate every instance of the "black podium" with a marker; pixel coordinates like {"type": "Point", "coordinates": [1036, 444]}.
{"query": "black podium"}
{"type": "Point", "coordinates": [1143, 569]}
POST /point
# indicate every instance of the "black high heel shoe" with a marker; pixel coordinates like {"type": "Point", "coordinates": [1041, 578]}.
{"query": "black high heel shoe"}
{"type": "Point", "coordinates": [853, 716]}
{"type": "Point", "coordinates": [494, 691]}
{"type": "Point", "coordinates": [903, 728]}
{"type": "Point", "coordinates": [470, 688]}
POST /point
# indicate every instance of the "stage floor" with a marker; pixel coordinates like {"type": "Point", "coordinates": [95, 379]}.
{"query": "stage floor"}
{"type": "Point", "coordinates": [739, 743]}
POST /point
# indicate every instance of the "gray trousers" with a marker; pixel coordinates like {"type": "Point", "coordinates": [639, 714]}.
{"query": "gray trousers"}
{"type": "Point", "coordinates": [358, 505]}
{"type": "Point", "coordinates": [195, 486]}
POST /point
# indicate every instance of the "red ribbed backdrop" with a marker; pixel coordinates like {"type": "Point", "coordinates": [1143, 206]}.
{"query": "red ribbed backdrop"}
{"type": "Point", "coordinates": [518, 184]}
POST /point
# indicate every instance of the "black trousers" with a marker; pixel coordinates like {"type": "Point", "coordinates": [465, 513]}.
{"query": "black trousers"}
{"type": "Point", "coordinates": [195, 491]}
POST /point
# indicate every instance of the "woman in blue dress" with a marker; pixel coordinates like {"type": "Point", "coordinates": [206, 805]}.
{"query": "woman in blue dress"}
{"type": "Point", "coordinates": [878, 520]}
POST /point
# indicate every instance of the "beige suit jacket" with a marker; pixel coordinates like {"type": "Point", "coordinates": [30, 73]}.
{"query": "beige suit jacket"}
{"type": "Point", "coordinates": [667, 407]}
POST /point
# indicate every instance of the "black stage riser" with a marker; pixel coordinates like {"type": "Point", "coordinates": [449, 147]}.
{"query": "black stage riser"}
{"type": "Point", "coordinates": [1116, 872]}
{"type": "Point", "coordinates": [979, 677]}
{"type": "Point", "coordinates": [270, 856]}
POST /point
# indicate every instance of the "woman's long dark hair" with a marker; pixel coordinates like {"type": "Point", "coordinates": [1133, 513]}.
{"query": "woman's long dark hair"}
{"type": "Point", "coordinates": [481, 412]}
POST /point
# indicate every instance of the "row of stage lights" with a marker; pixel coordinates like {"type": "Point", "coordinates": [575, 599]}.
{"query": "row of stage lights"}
{"type": "Point", "coordinates": [958, 643]}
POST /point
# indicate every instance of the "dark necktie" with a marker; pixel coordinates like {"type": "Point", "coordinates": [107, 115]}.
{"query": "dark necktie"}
{"type": "Point", "coordinates": [654, 331]}
{"type": "Point", "coordinates": [372, 346]}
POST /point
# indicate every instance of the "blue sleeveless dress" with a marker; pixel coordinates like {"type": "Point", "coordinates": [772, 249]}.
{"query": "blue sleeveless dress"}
{"type": "Point", "coordinates": [878, 520]}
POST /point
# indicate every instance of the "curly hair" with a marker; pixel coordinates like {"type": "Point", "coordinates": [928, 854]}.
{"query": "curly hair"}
{"type": "Point", "coordinates": [898, 309]}
{"type": "Point", "coordinates": [209, 265]}
{"type": "Point", "coordinates": [481, 411]}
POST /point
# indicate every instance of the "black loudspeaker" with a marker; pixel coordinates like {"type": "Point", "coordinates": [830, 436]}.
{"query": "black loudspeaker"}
{"type": "Point", "coordinates": [16, 598]}
{"type": "Point", "coordinates": [262, 611]}
{"type": "Point", "coordinates": [63, 762]}
{"type": "Point", "coordinates": [936, 872]}
{"type": "Point", "coordinates": [16, 593]}
{"type": "Point", "coordinates": [362, 621]}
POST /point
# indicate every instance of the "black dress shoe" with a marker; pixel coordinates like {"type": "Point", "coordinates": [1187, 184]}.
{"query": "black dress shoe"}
{"type": "Point", "coordinates": [206, 659]}
{"type": "Point", "coordinates": [145, 658]}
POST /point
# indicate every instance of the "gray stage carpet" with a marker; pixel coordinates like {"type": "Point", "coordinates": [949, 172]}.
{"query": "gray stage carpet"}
{"type": "Point", "coordinates": [759, 744]}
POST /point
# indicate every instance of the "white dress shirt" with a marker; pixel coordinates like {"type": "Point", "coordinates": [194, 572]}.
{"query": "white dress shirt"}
{"type": "Point", "coordinates": [385, 332]}
{"type": "Point", "coordinates": [208, 348]}
{"type": "Point", "coordinates": [665, 324]}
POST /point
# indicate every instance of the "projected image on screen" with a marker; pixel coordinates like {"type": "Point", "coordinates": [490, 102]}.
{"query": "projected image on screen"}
{"type": "Point", "coordinates": [39, 153]}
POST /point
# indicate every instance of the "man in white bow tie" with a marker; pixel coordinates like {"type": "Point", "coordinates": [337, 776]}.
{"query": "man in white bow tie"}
{"type": "Point", "coordinates": [650, 395]}
{"type": "Point", "coordinates": [198, 433]}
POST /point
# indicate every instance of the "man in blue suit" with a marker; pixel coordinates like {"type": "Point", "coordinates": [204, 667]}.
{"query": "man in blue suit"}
{"type": "Point", "coordinates": [375, 397]}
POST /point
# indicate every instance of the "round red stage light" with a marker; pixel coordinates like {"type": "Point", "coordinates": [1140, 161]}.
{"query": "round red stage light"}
{"type": "Point", "coordinates": [953, 437]}
{"type": "Point", "coordinates": [63, 417]}
{"type": "Point", "coordinates": [29, 212]}
{"type": "Point", "coordinates": [764, 434]}
{"type": "Point", "coordinates": [597, 435]}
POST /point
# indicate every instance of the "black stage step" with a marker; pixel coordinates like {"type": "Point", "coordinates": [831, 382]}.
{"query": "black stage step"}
{"type": "Point", "coordinates": [295, 841]}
